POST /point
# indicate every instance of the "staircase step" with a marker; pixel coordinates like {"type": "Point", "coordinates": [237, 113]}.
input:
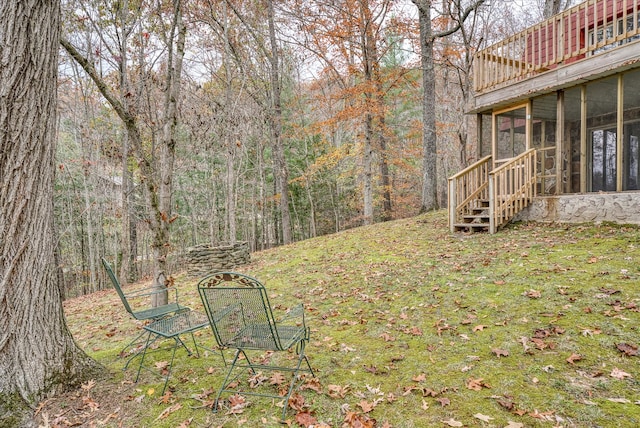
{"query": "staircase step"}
{"type": "Point", "coordinates": [471, 227]}
{"type": "Point", "coordinates": [475, 218]}
{"type": "Point", "coordinates": [478, 211]}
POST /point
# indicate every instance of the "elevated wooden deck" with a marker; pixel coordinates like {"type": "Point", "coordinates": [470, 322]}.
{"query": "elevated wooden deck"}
{"type": "Point", "coordinates": [579, 43]}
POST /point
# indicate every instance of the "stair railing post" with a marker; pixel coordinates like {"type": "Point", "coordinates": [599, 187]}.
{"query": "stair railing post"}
{"type": "Point", "coordinates": [492, 205]}
{"type": "Point", "coordinates": [453, 204]}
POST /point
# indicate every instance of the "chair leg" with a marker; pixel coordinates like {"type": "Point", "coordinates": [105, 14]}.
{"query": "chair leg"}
{"type": "Point", "coordinates": [173, 355]}
{"type": "Point", "coordinates": [144, 353]}
{"type": "Point", "coordinates": [295, 377]}
{"type": "Point", "coordinates": [225, 382]}
{"type": "Point", "coordinates": [136, 353]}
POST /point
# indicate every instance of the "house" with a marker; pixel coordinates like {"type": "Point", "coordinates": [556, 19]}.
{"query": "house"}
{"type": "Point", "coordinates": [558, 113]}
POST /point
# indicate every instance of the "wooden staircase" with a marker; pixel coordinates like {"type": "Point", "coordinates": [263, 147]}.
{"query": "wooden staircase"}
{"type": "Point", "coordinates": [477, 220]}
{"type": "Point", "coordinates": [482, 199]}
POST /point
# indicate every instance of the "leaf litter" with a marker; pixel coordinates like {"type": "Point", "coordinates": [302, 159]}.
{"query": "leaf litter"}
{"type": "Point", "coordinates": [533, 326]}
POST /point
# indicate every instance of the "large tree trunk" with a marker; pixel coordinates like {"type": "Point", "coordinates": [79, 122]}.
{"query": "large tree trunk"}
{"type": "Point", "coordinates": [38, 356]}
{"type": "Point", "coordinates": [281, 171]}
{"type": "Point", "coordinates": [429, 200]}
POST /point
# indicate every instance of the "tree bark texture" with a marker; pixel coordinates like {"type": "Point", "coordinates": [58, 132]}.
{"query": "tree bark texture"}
{"type": "Point", "coordinates": [429, 198]}
{"type": "Point", "coordinates": [38, 356]}
{"type": "Point", "coordinates": [280, 164]}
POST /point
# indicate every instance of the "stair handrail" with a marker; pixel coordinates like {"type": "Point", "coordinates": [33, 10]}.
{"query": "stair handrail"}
{"type": "Point", "coordinates": [512, 187]}
{"type": "Point", "coordinates": [467, 186]}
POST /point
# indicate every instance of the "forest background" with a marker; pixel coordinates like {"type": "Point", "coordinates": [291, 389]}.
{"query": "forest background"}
{"type": "Point", "coordinates": [205, 121]}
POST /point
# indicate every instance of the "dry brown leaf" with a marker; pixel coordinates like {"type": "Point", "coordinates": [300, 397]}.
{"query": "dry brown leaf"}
{"type": "Point", "coordinates": [514, 425]}
{"type": "Point", "coordinates": [628, 349]}
{"type": "Point", "coordinates": [500, 352]}
{"type": "Point", "coordinates": [573, 358]}
{"type": "Point", "coordinates": [387, 337]}
{"type": "Point", "coordinates": [296, 402]}
{"type": "Point", "coordinates": [337, 391]}
{"type": "Point", "coordinates": [476, 384]}
{"type": "Point", "coordinates": [312, 384]}
{"type": "Point", "coordinates": [366, 406]}
{"type": "Point", "coordinates": [87, 386]}
{"type": "Point", "coordinates": [619, 374]}
{"type": "Point", "coordinates": [306, 420]}
{"type": "Point", "coordinates": [169, 410]}
{"type": "Point", "coordinates": [479, 327]}
{"type": "Point", "coordinates": [533, 294]}
{"type": "Point", "coordinates": [482, 417]}
{"type": "Point", "coordinates": [444, 402]}
{"type": "Point", "coordinates": [276, 378]}
{"type": "Point", "coordinates": [453, 423]}
{"type": "Point", "coordinates": [420, 378]}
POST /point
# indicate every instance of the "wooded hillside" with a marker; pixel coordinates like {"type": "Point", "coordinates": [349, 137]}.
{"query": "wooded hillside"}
{"type": "Point", "coordinates": [205, 122]}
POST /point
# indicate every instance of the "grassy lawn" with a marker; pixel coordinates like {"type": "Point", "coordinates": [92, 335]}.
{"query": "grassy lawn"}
{"type": "Point", "coordinates": [412, 326]}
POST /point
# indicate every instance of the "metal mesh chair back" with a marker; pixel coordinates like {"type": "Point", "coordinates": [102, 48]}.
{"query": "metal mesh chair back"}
{"type": "Point", "coordinates": [239, 311]}
{"type": "Point", "coordinates": [116, 285]}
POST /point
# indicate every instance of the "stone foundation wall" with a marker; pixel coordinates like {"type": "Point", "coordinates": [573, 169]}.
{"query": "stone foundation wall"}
{"type": "Point", "coordinates": [204, 259]}
{"type": "Point", "coordinates": [623, 208]}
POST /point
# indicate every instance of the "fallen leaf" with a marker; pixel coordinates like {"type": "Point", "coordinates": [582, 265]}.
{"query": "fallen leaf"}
{"type": "Point", "coordinates": [629, 349]}
{"type": "Point", "coordinates": [420, 378]}
{"type": "Point", "coordinates": [306, 420]}
{"type": "Point", "coordinates": [514, 425]}
{"type": "Point", "coordinates": [296, 402]}
{"type": "Point", "coordinates": [619, 400]}
{"type": "Point", "coordinates": [453, 423]}
{"type": "Point", "coordinates": [533, 294]}
{"type": "Point", "coordinates": [500, 352]}
{"type": "Point", "coordinates": [87, 386]}
{"type": "Point", "coordinates": [312, 384]}
{"type": "Point", "coordinates": [169, 410]}
{"type": "Point", "coordinates": [619, 374]}
{"type": "Point", "coordinates": [476, 384]}
{"type": "Point", "coordinates": [443, 401]}
{"type": "Point", "coordinates": [573, 358]}
{"type": "Point", "coordinates": [482, 417]}
{"type": "Point", "coordinates": [366, 406]}
{"type": "Point", "coordinates": [337, 391]}
{"type": "Point", "coordinates": [387, 337]}
{"type": "Point", "coordinates": [276, 378]}
{"type": "Point", "coordinates": [479, 327]}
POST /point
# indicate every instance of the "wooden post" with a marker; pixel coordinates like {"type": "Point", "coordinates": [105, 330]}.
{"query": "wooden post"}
{"type": "Point", "coordinates": [559, 142]}
{"type": "Point", "coordinates": [492, 205]}
{"type": "Point", "coordinates": [619, 136]}
{"type": "Point", "coordinates": [583, 139]}
{"type": "Point", "coordinates": [453, 204]}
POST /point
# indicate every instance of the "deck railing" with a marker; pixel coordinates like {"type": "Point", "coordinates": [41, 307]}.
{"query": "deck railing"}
{"type": "Point", "coordinates": [512, 186]}
{"type": "Point", "coordinates": [584, 30]}
{"type": "Point", "coordinates": [467, 188]}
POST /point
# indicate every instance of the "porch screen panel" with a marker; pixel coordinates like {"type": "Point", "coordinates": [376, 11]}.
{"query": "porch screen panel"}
{"type": "Point", "coordinates": [631, 134]}
{"type": "Point", "coordinates": [543, 139]}
{"type": "Point", "coordinates": [572, 138]}
{"type": "Point", "coordinates": [602, 153]}
{"type": "Point", "coordinates": [511, 134]}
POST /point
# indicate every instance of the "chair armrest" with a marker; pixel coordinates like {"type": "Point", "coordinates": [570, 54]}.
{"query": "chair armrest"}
{"type": "Point", "coordinates": [149, 291]}
{"type": "Point", "coordinates": [294, 313]}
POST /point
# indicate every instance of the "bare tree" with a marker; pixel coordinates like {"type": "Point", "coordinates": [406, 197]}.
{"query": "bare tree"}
{"type": "Point", "coordinates": [553, 7]}
{"type": "Point", "coordinates": [38, 357]}
{"type": "Point", "coordinates": [427, 40]}
{"type": "Point", "coordinates": [156, 168]}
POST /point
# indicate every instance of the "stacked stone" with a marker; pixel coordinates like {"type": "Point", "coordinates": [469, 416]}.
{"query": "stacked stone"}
{"type": "Point", "coordinates": [204, 259]}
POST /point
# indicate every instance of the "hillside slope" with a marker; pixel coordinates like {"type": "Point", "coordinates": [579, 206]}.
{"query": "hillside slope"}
{"type": "Point", "coordinates": [413, 327]}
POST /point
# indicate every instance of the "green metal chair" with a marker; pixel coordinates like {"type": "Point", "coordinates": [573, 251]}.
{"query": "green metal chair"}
{"type": "Point", "coordinates": [145, 313]}
{"type": "Point", "coordinates": [241, 318]}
